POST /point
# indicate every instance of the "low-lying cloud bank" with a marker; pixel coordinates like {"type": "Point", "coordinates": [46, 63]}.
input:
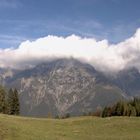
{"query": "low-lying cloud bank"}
{"type": "Point", "coordinates": [102, 55]}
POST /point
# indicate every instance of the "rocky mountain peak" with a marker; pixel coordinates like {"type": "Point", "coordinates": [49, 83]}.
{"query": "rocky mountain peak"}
{"type": "Point", "coordinates": [67, 86]}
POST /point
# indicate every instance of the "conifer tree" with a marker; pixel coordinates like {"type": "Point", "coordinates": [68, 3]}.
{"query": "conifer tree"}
{"type": "Point", "coordinates": [133, 111]}
{"type": "Point", "coordinates": [119, 109]}
{"type": "Point", "coordinates": [10, 102]}
{"type": "Point", "coordinates": [106, 112]}
{"type": "Point", "coordinates": [2, 100]}
{"type": "Point", "coordinates": [13, 102]}
{"type": "Point", "coordinates": [137, 106]}
{"type": "Point", "coordinates": [16, 102]}
{"type": "Point", "coordinates": [123, 108]}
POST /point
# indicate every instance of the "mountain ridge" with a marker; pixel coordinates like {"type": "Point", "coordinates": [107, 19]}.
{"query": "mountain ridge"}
{"type": "Point", "coordinates": [66, 86]}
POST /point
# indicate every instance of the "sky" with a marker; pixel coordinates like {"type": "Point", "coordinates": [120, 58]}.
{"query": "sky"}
{"type": "Point", "coordinates": [104, 33]}
{"type": "Point", "coordinates": [21, 20]}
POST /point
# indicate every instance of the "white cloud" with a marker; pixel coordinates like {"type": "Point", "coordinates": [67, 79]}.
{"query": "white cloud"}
{"type": "Point", "coordinates": [100, 54]}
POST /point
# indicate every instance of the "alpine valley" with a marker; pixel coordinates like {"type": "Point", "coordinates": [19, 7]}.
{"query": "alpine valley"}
{"type": "Point", "coordinates": [69, 86]}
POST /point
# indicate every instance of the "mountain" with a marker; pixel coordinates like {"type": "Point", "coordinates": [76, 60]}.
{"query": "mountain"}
{"type": "Point", "coordinates": [68, 86]}
{"type": "Point", "coordinates": [129, 81]}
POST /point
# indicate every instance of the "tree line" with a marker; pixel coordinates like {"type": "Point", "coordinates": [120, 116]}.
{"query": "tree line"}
{"type": "Point", "coordinates": [9, 104]}
{"type": "Point", "coordinates": [123, 108]}
{"type": "Point", "coordinates": [9, 101]}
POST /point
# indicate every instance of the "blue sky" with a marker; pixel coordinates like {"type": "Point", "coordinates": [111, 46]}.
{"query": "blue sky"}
{"type": "Point", "coordinates": [21, 20]}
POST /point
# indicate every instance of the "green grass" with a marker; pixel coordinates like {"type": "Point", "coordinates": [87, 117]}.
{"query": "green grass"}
{"type": "Point", "coordinates": [80, 128]}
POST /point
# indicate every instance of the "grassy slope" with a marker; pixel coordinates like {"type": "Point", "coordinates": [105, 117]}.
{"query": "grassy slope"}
{"type": "Point", "coordinates": [82, 128]}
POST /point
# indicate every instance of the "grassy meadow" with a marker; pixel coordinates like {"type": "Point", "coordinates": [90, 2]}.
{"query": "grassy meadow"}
{"type": "Point", "coordinates": [78, 128]}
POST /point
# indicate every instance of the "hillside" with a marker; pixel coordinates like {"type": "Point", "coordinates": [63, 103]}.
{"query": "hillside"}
{"type": "Point", "coordinates": [81, 128]}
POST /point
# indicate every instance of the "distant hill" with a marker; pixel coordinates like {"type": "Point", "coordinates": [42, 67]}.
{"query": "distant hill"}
{"type": "Point", "coordinates": [69, 86]}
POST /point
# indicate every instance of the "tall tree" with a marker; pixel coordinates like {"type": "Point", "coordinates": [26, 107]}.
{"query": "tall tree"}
{"type": "Point", "coordinates": [16, 101]}
{"type": "Point", "coordinates": [2, 100]}
{"type": "Point", "coordinates": [137, 106]}
{"type": "Point", "coordinates": [106, 112]}
{"type": "Point", "coordinates": [13, 102]}
{"type": "Point", "coordinates": [119, 108]}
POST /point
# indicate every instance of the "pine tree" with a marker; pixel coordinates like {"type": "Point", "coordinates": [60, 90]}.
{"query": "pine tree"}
{"type": "Point", "coordinates": [10, 102]}
{"type": "Point", "coordinates": [106, 112]}
{"type": "Point", "coordinates": [2, 100]}
{"type": "Point", "coordinates": [133, 111]}
{"type": "Point", "coordinates": [13, 102]}
{"type": "Point", "coordinates": [123, 108]}
{"type": "Point", "coordinates": [119, 109]}
{"type": "Point", "coordinates": [137, 106]}
{"type": "Point", "coordinates": [16, 102]}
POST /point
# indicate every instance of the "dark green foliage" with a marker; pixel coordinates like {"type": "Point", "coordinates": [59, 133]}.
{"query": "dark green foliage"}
{"type": "Point", "coordinates": [13, 102]}
{"type": "Point", "coordinates": [2, 100]}
{"type": "Point", "coordinates": [123, 108]}
{"type": "Point", "coordinates": [136, 103]}
{"type": "Point", "coordinates": [9, 103]}
{"type": "Point", "coordinates": [65, 116]}
{"type": "Point", "coordinates": [106, 112]}
{"type": "Point", "coordinates": [132, 111]}
{"type": "Point", "coordinates": [118, 109]}
{"type": "Point", "coordinates": [17, 104]}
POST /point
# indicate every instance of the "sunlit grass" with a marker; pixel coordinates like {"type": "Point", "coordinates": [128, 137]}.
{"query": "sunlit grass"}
{"type": "Point", "coordinates": [80, 128]}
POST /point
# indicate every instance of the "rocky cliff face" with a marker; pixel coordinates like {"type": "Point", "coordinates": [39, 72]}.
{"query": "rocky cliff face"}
{"type": "Point", "coordinates": [64, 86]}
